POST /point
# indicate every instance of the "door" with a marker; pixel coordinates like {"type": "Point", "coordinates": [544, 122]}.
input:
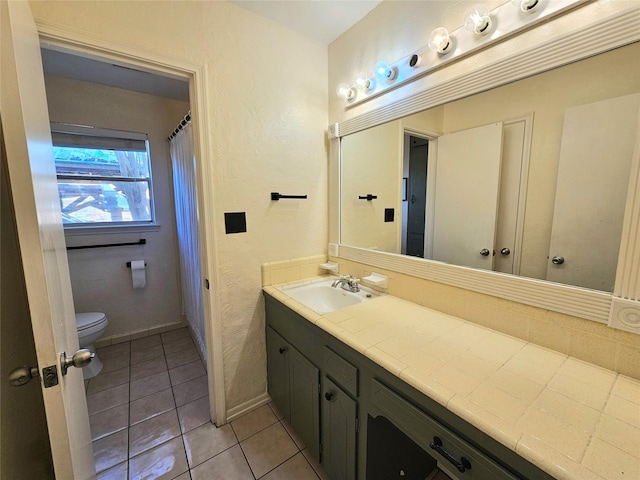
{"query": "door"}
{"type": "Point", "coordinates": [41, 240]}
{"type": "Point", "coordinates": [278, 372]}
{"type": "Point", "coordinates": [466, 197]}
{"type": "Point", "coordinates": [339, 418]}
{"type": "Point", "coordinates": [512, 198]}
{"type": "Point", "coordinates": [593, 175]}
{"type": "Point", "coordinates": [416, 195]}
{"type": "Point", "coordinates": [25, 451]}
{"type": "Point", "coordinates": [305, 411]}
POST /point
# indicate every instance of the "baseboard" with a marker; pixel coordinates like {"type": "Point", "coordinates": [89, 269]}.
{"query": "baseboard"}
{"type": "Point", "coordinates": [246, 407]}
{"type": "Point", "coordinates": [145, 332]}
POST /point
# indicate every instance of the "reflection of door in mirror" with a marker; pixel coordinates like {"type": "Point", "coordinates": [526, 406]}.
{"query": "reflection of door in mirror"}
{"type": "Point", "coordinates": [593, 175]}
{"type": "Point", "coordinates": [466, 197]}
{"type": "Point", "coordinates": [415, 161]}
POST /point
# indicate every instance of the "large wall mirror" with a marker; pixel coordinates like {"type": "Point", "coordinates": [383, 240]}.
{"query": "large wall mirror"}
{"type": "Point", "coordinates": [529, 178]}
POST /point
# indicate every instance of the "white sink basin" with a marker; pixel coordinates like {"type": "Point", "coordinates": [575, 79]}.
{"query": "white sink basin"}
{"type": "Point", "coordinates": [322, 298]}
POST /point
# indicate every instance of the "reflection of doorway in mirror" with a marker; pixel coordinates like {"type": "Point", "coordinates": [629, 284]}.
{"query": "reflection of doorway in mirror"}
{"type": "Point", "coordinates": [415, 163]}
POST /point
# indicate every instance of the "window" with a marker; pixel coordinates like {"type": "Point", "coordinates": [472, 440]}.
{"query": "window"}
{"type": "Point", "coordinates": [104, 176]}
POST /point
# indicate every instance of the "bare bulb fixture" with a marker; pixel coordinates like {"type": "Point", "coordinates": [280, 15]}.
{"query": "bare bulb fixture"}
{"type": "Point", "coordinates": [527, 6]}
{"type": "Point", "coordinates": [365, 83]}
{"type": "Point", "coordinates": [439, 40]}
{"type": "Point", "coordinates": [346, 92]}
{"type": "Point", "coordinates": [386, 72]}
{"type": "Point", "coordinates": [478, 21]}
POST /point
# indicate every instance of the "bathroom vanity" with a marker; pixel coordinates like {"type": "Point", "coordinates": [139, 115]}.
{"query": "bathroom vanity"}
{"type": "Point", "coordinates": [346, 397]}
{"type": "Point", "coordinates": [330, 394]}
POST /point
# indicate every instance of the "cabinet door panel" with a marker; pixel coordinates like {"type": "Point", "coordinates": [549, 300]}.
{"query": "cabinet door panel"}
{"type": "Point", "coordinates": [278, 371]}
{"type": "Point", "coordinates": [339, 414]}
{"type": "Point", "coordinates": [305, 410]}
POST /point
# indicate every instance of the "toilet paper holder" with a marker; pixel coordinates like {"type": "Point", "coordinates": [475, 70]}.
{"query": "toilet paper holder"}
{"type": "Point", "coordinates": [129, 264]}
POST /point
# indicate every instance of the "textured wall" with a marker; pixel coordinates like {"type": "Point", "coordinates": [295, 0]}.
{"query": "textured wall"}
{"type": "Point", "coordinates": [99, 277]}
{"type": "Point", "coordinates": [267, 108]}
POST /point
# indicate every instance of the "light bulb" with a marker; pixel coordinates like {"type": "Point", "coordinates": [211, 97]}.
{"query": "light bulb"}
{"type": "Point", "coordinates": [385, 72]}
{"type": "Point", "coordinates": [439, 40]}
{"type": "Point", "coordinates": [478, 21]}
{"type": "Point", "coordinates": [346, 92]}
{"type": "Point", "coordinates": [365, 83]}
{"type": "Point", "coordinates": [527, 6]}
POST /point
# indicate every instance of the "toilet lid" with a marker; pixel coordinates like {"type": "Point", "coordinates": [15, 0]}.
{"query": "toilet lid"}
{"type": "Point", "coordinates": [88, 320]}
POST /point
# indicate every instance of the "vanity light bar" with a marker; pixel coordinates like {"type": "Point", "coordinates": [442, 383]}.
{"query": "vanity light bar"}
{"type": "Point", "coordinates": [481, 30]}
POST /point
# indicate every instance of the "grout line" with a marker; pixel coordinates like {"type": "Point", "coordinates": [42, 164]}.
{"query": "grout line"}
{"type": "Point", "coordinates": [182, 435]}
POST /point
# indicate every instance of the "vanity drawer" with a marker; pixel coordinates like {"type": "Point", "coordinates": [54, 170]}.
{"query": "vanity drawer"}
{"type": "Point", "coordinates": [341, 371]}
{"type": "Point", "coordinates": [447, 448]}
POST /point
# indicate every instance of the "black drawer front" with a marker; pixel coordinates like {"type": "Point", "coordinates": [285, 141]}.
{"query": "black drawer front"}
{"type": "Point", "coordinates": [341, 371]}
{"type": "Point", "coordinates": [451, 451]}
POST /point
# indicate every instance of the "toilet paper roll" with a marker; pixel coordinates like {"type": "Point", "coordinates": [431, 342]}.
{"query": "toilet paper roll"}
{"type": "Point", "coordinates": [138, 276]}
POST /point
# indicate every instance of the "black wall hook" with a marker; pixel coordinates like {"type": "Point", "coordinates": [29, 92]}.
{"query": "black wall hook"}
{"type": "Point", "coordinates": [277, 196]}
{"type": "Point", "coordinates": [368, 198]}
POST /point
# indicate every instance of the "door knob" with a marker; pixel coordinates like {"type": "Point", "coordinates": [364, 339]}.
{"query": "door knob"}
{"type": "Point", "coordinates": [22, 375]}
{"type": "Point", "coordinates": [485, 252]}
{"type": "Point", "coordinates": [80, 359]}
{"type": "Point", "coordinates": [557, 260]}
{"type": "Point", "coordinates": [505, 251]}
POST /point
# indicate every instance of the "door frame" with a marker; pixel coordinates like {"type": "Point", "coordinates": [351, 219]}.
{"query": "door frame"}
{"type": "Point", "coordinates": [432, 155]}
{"type": "Point", "coordinates": [59, 38]}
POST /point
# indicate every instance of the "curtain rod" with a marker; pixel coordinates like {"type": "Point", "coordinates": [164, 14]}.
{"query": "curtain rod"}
{"type": "Point", "coordinates": [181, 125]}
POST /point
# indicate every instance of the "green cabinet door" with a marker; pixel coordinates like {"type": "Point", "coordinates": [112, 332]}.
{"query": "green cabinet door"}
{"type": "Point", "coordinates": [339, 417]}
{"type": "Point", "coordinates": [303, 398]}
{"type": "Point", "coordinates": [278, 371]}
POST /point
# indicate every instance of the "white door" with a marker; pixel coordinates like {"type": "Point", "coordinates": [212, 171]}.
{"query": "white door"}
{"type": "Point", "coordinates": [593, 175]}
{"type": "Point", "coordinates": [40, 237]}
{"type": "Point", "coordinates": [511, 200]}
{"type": "Point", "coordinates": [466, 197]}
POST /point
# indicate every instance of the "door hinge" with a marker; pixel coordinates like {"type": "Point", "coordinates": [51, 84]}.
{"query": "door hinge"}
{"type": "Point", "coordinates": [50, 376]}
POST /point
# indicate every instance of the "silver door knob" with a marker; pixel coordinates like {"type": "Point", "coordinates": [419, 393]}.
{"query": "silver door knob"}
{"type": "Point", "coordinates": [505, 251]}
{"type": "Point", "coordinates": [22, 375]}
{"type": "Point", "coordinates": [485, 252]}
{"type": "Point", "coordinates": [80, 359]}
{"type": "Point", "coordinates": [557, 260]}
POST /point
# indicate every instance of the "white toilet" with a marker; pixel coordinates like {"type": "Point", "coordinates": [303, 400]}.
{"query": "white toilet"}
{"type": "Point", "coordinates": [91, 326]}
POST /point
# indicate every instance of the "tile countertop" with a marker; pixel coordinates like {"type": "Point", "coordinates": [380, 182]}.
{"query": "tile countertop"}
{"type": "Point", "coordinates": [572, 419]}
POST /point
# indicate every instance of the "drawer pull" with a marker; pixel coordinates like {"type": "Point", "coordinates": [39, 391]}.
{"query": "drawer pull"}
{"type": "Point", "coordinates": [462, 465]}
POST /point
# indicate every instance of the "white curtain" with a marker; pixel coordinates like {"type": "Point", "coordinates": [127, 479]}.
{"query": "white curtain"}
{"type": "Point", "coordinates": [184, 188]}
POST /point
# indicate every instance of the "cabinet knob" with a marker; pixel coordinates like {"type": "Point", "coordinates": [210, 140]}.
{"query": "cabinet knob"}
{"type": "Point", "coordinates": [282, 350]}
{"type": "Point", "coordinates": [328, 396]}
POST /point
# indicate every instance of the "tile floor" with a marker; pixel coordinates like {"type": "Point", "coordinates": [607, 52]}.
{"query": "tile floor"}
{"type": "Point", "coordinates": [149, 417]}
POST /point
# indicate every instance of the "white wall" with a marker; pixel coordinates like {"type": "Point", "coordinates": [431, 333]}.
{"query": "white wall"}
{"type": "Point", "coordinates": [267, 94]}
{"type": "Point", "coordinates": [99, 277]}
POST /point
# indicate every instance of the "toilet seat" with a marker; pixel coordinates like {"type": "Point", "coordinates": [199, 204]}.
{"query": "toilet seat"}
{"type": "Point", "coordinates": [88, 320]}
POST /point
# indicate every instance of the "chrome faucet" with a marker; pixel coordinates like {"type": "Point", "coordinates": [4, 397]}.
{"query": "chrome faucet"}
{"type": "Point", "coordinates": [348, 283]}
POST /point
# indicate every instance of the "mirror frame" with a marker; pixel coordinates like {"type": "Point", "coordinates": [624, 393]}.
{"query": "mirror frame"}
{"type": "Point", "coordinates": [620, 309]}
